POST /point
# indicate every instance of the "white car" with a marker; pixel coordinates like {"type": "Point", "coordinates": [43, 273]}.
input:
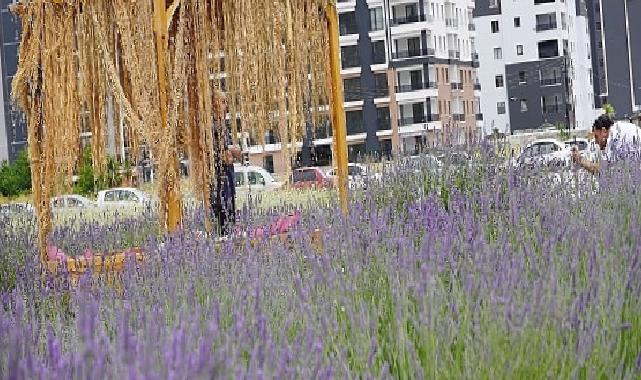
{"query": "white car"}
{"type": "Point", "coordinates": [255, 179]}
{"type": "Point", "coordinates": [580, 144]}
{"type": "Point", "coordinates": [71, 201]}
{"type": "Point", "coordinates": [357, 175]}
{"type": "Point", "coordinates": [17, 209]}
{"type": "Point", "coordinates": [545, 152]}
{"type": "Point", "coordinates": [123, 197]}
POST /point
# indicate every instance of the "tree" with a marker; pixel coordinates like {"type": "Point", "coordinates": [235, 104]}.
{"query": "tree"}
{"type": "Point", "coordinates": [564, 133]}
{"type": "Point", "coordinates": [609, 110]}
{"type": "Point", "coordinates": [15, 178]}
{"type": "Point", "coordinates": [85, 184]}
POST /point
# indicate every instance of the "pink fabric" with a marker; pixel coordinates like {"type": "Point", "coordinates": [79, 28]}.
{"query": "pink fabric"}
{"type": "Point", "coordinates": [281, 226]}
{"type": "Point", "coordinates": [54, 253]}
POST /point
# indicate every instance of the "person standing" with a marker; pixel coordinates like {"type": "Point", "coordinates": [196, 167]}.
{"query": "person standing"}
{"type": "Point", "coordinates": [223, 199]}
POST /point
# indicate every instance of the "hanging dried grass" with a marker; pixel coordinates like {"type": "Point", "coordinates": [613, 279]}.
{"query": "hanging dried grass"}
{"type": "Point", "coordinates": [79, 55]}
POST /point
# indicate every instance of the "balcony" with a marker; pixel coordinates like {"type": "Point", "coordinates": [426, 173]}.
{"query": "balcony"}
{"type": "Point", "coordinates": [554, 108]}
{"type": "Point", "coordinates": [415, 87]}
{"type": "Point", "coordinates": [546, 26]}
{"type": "Point", "coordinates": [408, 19]}
{"type": "Point", "coordinates": [405, 121]}
{"type": "Point", "coordinates": [454, 54]}
{"type": "Point", "coordinates": [401, 54]}
{"type": "Point", "coordinates": [551, 81]}
{"type": "Point", "coordinates": [419, 119]}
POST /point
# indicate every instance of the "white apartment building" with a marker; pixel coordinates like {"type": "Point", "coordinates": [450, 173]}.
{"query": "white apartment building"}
{"type": "Point", "coordinates": [535, 59]}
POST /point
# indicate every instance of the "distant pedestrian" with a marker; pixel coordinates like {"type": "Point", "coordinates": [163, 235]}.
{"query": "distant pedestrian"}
{"type": "Point", "coordinates": [223, 199]}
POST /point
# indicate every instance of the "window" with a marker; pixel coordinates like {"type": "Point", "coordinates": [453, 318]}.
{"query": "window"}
{"type": "Point", "coordinates": [308, 175]}
{"type": "Point", "coordinates": [522, 77]}
{"type": "Point", "coordinates": [523, 105]}
{"type": "Point", "coordinates": [495, 26]}
{"type": "Point", "coordinates": [376, 19]}
{"type": "Point", "coordinates": [255, 178]}
{"type": "Point", "coordinates": [500, 108]}
{"type": "Point", "coordinates": [545, 22]}
{"type": "Point", "coordinates": [517, 22]}
{"type": "Point", "coordinates": [347, 23]}
{"type": "Point", "coordinates": [383, 119]}
{"type": "Point", "coordinates": [499, 80]}
{"type": "Point", "coordinates": [354, 121]}
{"type": "Point", "coordinates": [381, 85]}
{"type": "Point", "coordinates": [352, 90]}
{"type": "Point", "coordinates": [494, 3]}
{"type": "Point", "coordinates": [268, 163]}
{"type": "Point", "coordinates": [447, 75]}
{"type": "Point", "coordinates": [498, 53]}
{"type": "Point", "coordinates": [378, 52]}
{"type": "Point", "coordinates": [349, 56]}
{"type": "Point", "coordinates": [548, 49]}
{"type": "Point", "coordinates": [519, 49]}
{"type": "Point", "coordinates": [110, 196]}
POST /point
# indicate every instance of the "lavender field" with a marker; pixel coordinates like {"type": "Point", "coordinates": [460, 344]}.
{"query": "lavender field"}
{"type": "Point", "coordinates": [479, 272]}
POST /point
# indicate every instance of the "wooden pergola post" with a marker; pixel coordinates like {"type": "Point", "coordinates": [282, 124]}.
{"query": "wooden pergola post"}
{"type": "Point", "coordinates": [168, 179]}
{"type": "Point", "coordinates": [338, 110]}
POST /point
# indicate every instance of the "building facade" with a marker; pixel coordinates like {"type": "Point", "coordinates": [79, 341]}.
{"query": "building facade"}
{"type": "Point", "coordinates": [409, 76]}
{"type": "Point", "coordinates": [535, 58]}
{"type": "Point", "coordinates": [13, 126]}
{"type": "Point", "coordinates": [616, 53]}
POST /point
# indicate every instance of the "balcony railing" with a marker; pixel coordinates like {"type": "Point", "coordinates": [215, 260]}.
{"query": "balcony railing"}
{"type": "Point", "coordinates": [554, 108]}
{"type": "Point", "coordinates": [551, 81]}
{"type": "Point", "coordinates": [419, 119]}
{"type": "Point", "coordinates": [454, 54]}
{"type": "Point", "coordinates": [546, 26]}
{"type": "Point", "coordinates": [402, 20]}
{"type": "Point", "coordinates": [415, 87]}
{"type": "Point", "coordinates": [413, 53]}
{"type": "Point", "coordinates": [405, 121]}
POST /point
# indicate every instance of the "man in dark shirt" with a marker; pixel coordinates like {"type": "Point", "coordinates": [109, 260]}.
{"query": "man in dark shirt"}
{"type": "Point", "coordinates": [223, 200]}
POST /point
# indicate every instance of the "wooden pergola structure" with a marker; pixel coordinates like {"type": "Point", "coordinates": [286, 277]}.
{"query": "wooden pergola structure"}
{"type": "Point", "coordinates": [155, 62]}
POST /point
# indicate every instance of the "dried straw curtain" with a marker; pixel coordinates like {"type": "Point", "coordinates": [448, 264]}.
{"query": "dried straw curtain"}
{"type": "Point", "coordinates": [78, 56]}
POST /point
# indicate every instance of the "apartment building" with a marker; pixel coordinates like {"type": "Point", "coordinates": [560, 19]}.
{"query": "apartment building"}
{"type": "Point", "coordinates": [615, 32]}
{"type": "Point", "coordinates": [409, 75]}
{"type": "Point", "coordinates": [536, 60]}
{"type": "Point", "coordinates": [13, 126]}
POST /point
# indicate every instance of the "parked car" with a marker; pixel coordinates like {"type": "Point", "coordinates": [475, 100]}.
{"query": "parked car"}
{"type": "Point", "coordinates": [123, 197]}
{"type": "Point", "coordinates": [17, 209]}
{"type": "Point", "coordinates": [580, 144]}
{"type": "Point", "coordinates": [550, 152]}
{"type": "Point", "coordinates": [357, 174]}
{"type": "Point", "coordinates": [308, 178]}
{"type": "Point", "coordinates": [255, 178]}
{"type": "Point", "coordinates": [71, 201]}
